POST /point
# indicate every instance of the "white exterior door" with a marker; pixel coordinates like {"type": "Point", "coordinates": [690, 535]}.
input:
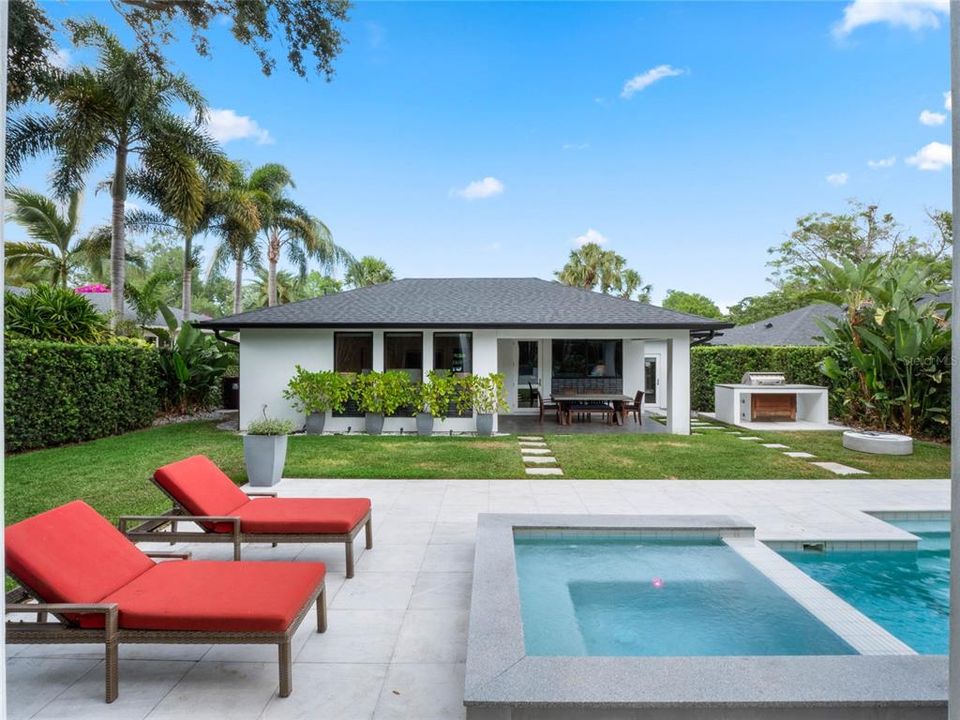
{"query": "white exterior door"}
{"type": "Point", "coordinates": [653, 386]}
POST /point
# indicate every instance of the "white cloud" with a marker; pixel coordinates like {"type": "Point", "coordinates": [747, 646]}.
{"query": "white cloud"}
{"type": "Point", "coordinates": [642, 81]}
{"type": "Point", "coordinates": [480, 189]}
{"type": "Point", "coordinates": [882, 163]}
{"type": "Point", "coordinates": [932, 118]}
{"type": "Point", "coordinates": [225, 125]}
{"type": "Point", "coordinates": [948, 101]}
{"type": "Point", "coordinates": [934, 156]}
{"type": "Point", "coordinates": [837, 179]}
{"type": "Point", "coordinates": [590, 236]}
{"type": "Point", "coordinates": [575, 146]}
{"type": "Point", "coordinates": [912, 14]}
{"type": "Point", "coordinates": [60, 57]}
{"type": "Point", "coordinates": [376, 34]}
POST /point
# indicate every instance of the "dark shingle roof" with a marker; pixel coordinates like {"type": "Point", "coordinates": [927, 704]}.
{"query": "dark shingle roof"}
{"type": "Point", "coordinates": [797, 327]}
{"type": "Point", "coordinates": [467, 303]}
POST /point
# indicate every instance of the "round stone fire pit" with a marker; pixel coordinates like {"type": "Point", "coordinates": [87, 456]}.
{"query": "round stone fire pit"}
{"type": "Point", "coordinates": [878, 443]}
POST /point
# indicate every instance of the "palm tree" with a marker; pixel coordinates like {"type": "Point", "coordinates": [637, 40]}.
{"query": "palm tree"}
{"type": "Point", "coordinates": [368, 271]}
{"type": "Point", "coordinates": [288, 286]}
{"type": "Point", "coordinates": [122, 109]}
{"type": "Point", "coordinates": [288, 226]}
{"type": "Point", "coordinates": [631, 283]}
{"type": "Point", "coordinates": [591, 266]}
{"type": "Point", "coordinates": [54, 251]}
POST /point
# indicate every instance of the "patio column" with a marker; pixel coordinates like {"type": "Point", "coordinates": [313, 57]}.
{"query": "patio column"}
{"type": "Point", "coordinates": [678, 384]}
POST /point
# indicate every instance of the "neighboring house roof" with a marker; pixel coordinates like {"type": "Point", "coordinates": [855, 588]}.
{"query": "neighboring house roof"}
{"type": "Point", "coordinates": [797, 327]}
{"type": "Point", "coordinates": [101, 302]}
{"type": "Point", "coordinates": [467, 303]}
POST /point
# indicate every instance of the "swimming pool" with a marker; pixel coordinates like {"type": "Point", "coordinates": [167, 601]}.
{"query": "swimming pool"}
{"type": "Point", "coordinates": [604, 596]}
{"type": "Point", "coordinates": [905, 592]}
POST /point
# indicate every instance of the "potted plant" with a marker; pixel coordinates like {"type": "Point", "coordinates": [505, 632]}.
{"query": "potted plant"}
{"type": "Point", "coordinates": [433, 400]}
{"type": "Point", "coordinates": [314, 393]}
{"type": "Point", "coordinates": [265, 450]}
{"type": "Point", "coordinates": [380, 394]}
{"type": "Point", "coordinates": [484, 394]}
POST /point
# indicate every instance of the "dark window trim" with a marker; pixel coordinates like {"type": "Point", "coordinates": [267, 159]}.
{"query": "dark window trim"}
{"type": "Point", "coordinates": [451, 333]}
{"type": "Point", "coordinates": [350, 411]}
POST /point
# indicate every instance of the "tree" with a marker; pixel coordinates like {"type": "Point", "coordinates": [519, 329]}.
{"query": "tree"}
{"type": "Point", "coordinates": [29, 47]}
{"type": "Point", "coordinates": [789, 296]}
{"type": "Point", "coordinates": [149, 296]}
{"type": "Point", "coordinates": [691, 303]}
{"type": "Point", "coordinates": [308, 26]}
{"type": "Point", "coordinates": [53, 252]}
{"type": "Point", "coordinates": [288, 286]}
{"type": "Point", "coordinates": [591, 267]}
{"type": "Point", "coordinates": [368, 271]}
{"type": "Point", "coordinates": [123, 108]}
{"type": "Point", "coordinates": [317, 285]}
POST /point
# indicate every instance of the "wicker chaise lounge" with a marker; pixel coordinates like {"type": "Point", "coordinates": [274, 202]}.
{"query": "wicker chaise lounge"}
{"type": "Point", "coordinates": [202, 493]}
{"type": "Point", "coordinates": [73, 564]}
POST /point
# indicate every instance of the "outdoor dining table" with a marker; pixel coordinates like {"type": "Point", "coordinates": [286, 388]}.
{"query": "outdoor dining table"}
{"type": "Point", "coordinates": [566, 400]}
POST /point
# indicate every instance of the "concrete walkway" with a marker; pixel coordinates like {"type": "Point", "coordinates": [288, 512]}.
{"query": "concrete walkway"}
{"type": "Point", "coordinates": [397, 637]}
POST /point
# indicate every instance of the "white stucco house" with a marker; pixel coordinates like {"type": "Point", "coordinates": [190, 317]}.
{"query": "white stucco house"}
{"type": "Point", "coordinates": [535, 332]}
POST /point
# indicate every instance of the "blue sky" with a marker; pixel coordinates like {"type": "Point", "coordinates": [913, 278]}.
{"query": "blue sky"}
{"type": "Point", "coordinates": [476, 139]}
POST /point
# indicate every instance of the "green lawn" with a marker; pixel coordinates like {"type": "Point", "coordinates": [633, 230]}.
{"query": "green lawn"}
{"type": "Point", "coordinates": [112, 474]}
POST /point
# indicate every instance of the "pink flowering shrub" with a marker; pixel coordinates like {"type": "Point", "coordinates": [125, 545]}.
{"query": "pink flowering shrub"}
{"type": "Point", "coordinates": [97, 288]}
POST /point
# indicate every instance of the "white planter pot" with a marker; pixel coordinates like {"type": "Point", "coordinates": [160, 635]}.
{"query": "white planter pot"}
{"type": "Point", "coordinates": [265, 456]}
{"type": "Point", "coordinates": [315, 422]}
{"type": "Point", "coordinates": [485, 424]}
{"type": "Point", "coordinates": [424, 424]}
{"type": "Point", "coordinates": [373, 423]}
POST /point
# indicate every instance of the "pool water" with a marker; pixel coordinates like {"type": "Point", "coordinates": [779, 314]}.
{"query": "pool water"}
{"type": "Point", "coordinates": [600, 596]}
{"type": "Point", "coordinates": [905, 592]}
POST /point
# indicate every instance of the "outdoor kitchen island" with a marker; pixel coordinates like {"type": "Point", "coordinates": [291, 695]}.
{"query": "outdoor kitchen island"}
{"type": "Point", "coordinates": [766, 398]}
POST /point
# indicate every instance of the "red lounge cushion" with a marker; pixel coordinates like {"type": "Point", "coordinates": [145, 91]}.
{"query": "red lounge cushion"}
{"type": "Point", "coordinates": [201, 487]}
{"type": "Point", "coordinates": [213, 596]}
{"type": "Point", "coordinates": [285, 516]}
{"type": "Point", "coordinates": [71, 554]}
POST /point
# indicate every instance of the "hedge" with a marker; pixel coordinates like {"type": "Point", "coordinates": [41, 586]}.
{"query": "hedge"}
{"type": "Point", "coordinates": [57, 393]}
{"type": "Point", "coordinates": [712, 364]}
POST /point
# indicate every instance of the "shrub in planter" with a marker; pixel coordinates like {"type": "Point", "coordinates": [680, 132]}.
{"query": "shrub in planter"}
{"type": "Point", "coordinates": [314, 393]}
{"type": "Point", "coordinates": [380, 394]}
{"type": "Point", "coordinates": [265, 450]}
{"type": "Point", "coordinates": [484, 394]}
{"type": "Point", "coordinates": [433, 399]}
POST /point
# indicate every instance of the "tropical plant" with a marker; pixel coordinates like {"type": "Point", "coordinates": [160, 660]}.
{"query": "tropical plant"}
{"type": "Point", "coordinates": [890, 352]}
{"type": "Point", "coordinates": [483, 394]}
{"type": "Point", "coordinates": [592, 268]}
{"type": "Point", "coordinates": [382, 393]}
{"type": "Point", "coordinates": [318, 392]}
{"type": "Point", "coordinates": [368, 271]}
{"type": "Point", "coordinates": [287, 286]}
{"type": "Point", "coordinates": [192, 366]}
{"type": "Point", "coordinates": [436, 395]}
{"type": "Point", "coordinates": [54, 251]}
{"type": "Point", "coordinates": [149, 296]}
{"type": "Point", "coordinates": [122, 109]}
{"type": "Point", "coordinates": [49, 312]}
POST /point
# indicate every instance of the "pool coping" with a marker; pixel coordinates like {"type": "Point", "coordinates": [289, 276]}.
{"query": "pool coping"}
{"type": "Point", "coordinates": [499, 673]}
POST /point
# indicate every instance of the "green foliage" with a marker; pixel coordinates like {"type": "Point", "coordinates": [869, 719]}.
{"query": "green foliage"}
{"type": "Point", "coordinates": [713, 364]}
{"type": "Point", "coordinates": [368, 271]}
{"type": "Point", "coordinates": [483, 394]}
{"type": "Point", "coordinates": [437, 394]}
{"type": "Point", "coordinates": [318, 391]}
{"type": "Point", "coordinates": [789, 296]}
{"type": "Point", "coordinates": [890, 353]}
{"type": "Point", "coordinates": [29, 47]}
{"type": "Point", "coordinates": [691, 303]}
{"type": "Point", "coordinates": [59, 393]}
{"type": "Point", "coordinates": [591, 267]}
{"type": "Point", "coordinates": [192, 367]}
{"type": "Point", "coordinates": [49, 312]}
{"type": "Point", "coordinates": [382, 392]}
{"type": "Point", "coordinates": [269, 426]}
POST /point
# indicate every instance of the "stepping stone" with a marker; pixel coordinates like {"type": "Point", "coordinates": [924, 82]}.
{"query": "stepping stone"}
{"type": "Point", "coordinates": [529, 444]}
{"type": "Point", "coordinates": [749, 437]}
{"type": "Point", "coordinates": [535, 438]}
{"type": "Point", "coordinates": [733, 432]}
{"type": "Point", "coordinates": [534, 451]}
{"type": "Point", "coordinates": [839, 468]}
{"type": "Point", "coordinates": [775, 446]}
{"type": "Point", "coordinates": [536, 460]}
{"type": "Point", "coordinates": [799, 454]}
{"type": "Point", "coordinates": [696, 433]}
{"type": "Point", "coordinates": [543, 471]}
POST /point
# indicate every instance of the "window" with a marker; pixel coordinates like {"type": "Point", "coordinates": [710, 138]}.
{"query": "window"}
{"type": "Point", "coordinates": [587, 358]}
{"type": "Point", "coordinates": [404, 351]}
{"type": "Point", "coordinates": [352, 353]}
{"type": "Point", "coordinates": [453, 352]}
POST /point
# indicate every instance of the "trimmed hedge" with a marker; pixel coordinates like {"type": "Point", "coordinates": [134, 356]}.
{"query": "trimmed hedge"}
{"type": "Point", "coordinates": [58, 393]}
{"type": "Point", "coordinates": [712, 364]}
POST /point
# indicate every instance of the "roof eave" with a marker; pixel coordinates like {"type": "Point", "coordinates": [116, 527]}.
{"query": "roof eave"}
{"type": "Point", "coordinates": [214, 324]}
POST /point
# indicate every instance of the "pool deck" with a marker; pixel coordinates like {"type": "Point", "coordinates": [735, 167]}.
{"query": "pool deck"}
{"type": "Point", "coordinates": [396, 643]}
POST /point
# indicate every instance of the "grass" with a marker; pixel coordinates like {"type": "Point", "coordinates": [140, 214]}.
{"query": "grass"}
{"type": "Point", "coordinates": [111, 474]}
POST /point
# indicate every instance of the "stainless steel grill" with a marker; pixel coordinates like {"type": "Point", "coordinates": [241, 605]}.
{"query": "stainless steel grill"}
{"type": "Point", "coordinates": [763, 378]}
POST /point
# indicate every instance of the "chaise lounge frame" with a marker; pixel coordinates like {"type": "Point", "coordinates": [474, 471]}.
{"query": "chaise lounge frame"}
{"type": "Point", "coordinates": [150, 529]}
{"type": "Point", "coordinates": [23, 600]}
